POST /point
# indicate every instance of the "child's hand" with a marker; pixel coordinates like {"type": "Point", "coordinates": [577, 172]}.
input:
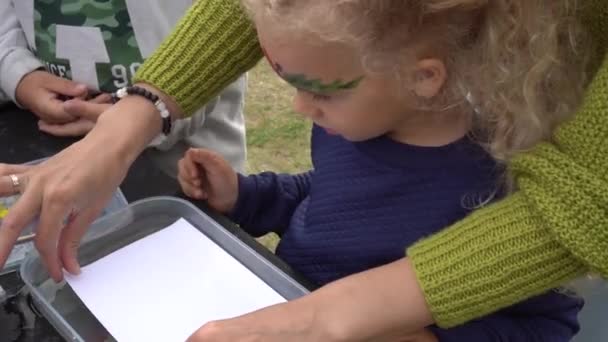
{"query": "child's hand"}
{"type": "Point", "coordinates": [85, 112]}
{"type": "Point", "coordinates": [206, 175]}
{"type": "Point", "coordinates": [41, 92]}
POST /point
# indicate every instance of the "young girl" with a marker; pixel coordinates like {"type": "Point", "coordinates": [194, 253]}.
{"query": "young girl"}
{"type": "Point", "coordinates": [415, 107]}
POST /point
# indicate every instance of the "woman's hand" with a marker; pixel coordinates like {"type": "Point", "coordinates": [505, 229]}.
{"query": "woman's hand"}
{"type": "Point", "coordinates": [292, 321]}
{"type": "Point", "coordinates": [382, 304]}
{"type": "Point", "coordinates": [71, 187]}
{"type": "Point", "coordinates": [69, 190]}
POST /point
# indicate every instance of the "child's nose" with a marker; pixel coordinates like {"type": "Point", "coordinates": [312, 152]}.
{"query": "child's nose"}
{"type": "Point", "coordinates": [303, 105]}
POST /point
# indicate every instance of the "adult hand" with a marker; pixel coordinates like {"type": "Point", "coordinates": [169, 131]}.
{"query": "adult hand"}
{"type": "Point", "coordinates": [85, 112]}
{"type": "Point", "coordinates": [41, 92]}
{"type": "Point", "coordinates": [76, 184]}
{"type": "Point", "coordinates": [73, 187]}
{"type": "Point", "coordinates": [294, 321]}
{"type": "Point", "coordinates": [381, 304]}
{"type": "Point", "coordinates": [283, 322]}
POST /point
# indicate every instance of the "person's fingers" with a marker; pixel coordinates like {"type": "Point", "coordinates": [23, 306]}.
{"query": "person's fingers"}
{"type": "Point", "coordinates": [102, 98]}
{"type": "Point", "coordinates": [65, 87]}
{"type": "Point", "coordinates": [19, 216]}
{"type": "Point", "coordinates": [189, 171]}
{"type": "Point", "coordinates": [12, 184]}
{"type": "Point", "coordinates": [192, 170]}
{"type": "Point", "coordinates": [181, 169]}
{"type": "Point", "coordinates": [85, 109]}
{"type": "Point", "coordinates": [7, 183]}
{"type": "Point", "coordinates": [212, 161]}
{"type": "Point", "coordinates": [72, 234]}
{"type": "Point", "coordinates": [216, 168]}
{"type": "Point", "coordinates": [51, 110]}
{"type": "Point", "coordinates": [7, 169]}
{"type": "Point", "coordinates": [56, 207]}
{"type": "Point", "coordinates": [208, 332]}
{"type": "Point", "coordinates": [193, 191]}
{"type": "Point", "coordinates": [201, 155]}
{"type": "Point", "coordinates": [76, 128]}
{"type": "Point", "coordinates": [191, 187]}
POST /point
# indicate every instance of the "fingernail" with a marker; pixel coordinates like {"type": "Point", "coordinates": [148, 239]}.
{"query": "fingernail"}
{"type": "Point", "coordinates": [68, 104]}
{"type": "Point", "coordinates": [81, 87]}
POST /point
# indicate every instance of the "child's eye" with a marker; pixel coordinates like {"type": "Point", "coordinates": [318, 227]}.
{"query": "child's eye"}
{"type": "Point", "coordinates": [320, 97]}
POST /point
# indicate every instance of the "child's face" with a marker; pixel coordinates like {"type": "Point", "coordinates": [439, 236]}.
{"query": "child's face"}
{"type": "Point", "coordinates": [334, 91]}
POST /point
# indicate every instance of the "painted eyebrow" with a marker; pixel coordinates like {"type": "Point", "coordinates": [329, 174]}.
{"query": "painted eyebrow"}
{"type": "Point", "coordinates": [312, 85]}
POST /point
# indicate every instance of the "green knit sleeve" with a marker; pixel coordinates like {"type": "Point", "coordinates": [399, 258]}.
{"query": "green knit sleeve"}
{"type": "Point", "coordinates": [213, 45]}
{"type": "Point", "coordinates": [552, 230]}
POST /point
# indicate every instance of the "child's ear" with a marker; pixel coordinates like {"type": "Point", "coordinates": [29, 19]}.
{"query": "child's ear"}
{"type": "Point", "coordinates": [429, 76]}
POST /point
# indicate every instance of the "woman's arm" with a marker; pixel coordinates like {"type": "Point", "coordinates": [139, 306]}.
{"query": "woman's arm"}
{"type": "Point", "coordinates": [553, 230]}
{"type": "Point", "coordinates": [212, 45]}
{"type": "Point", "coordinates": [382, 304]}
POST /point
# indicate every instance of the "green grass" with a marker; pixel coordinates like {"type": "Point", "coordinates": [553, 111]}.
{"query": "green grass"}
{"type": "Point", "coordinates": [278, 139]}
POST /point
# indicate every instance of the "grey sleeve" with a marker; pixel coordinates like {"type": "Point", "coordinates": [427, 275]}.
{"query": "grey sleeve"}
{"type": "Point", "coordinates": [16, 59]}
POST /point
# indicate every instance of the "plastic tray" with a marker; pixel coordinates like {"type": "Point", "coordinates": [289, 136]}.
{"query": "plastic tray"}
{"type": "Point", "coordinates": [594, 315]}
{"type": "Point", "coordinates": [117, 202]}
{"type": "Point", "coordinates": [63, 309]}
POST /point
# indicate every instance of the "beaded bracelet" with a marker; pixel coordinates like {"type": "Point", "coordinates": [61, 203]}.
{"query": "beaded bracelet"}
{"type": "Point", "coordinates": [148, 95]}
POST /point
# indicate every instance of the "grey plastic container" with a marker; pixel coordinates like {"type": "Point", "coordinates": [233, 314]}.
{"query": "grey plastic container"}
{"type": "Point", "coordinates": [117, 202]}
{"type": "Point", "coordinates": [63, 309]}
{"type": "Point", "coordinates": [593, 318]}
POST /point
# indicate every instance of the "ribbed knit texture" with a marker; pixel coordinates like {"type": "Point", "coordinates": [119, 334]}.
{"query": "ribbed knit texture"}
{"type": "Point", "coordinates": [553, 230]}
{"type": "Point", "coordinates": [532, 241]}
{"type": "Point", "coordinates": [210, 48]}
{"type": "Point", "coordinates": [364, 201]}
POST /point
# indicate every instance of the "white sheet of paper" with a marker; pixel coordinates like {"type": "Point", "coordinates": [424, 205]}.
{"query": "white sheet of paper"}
{"type": "Point", "coordinates": [166, 285]}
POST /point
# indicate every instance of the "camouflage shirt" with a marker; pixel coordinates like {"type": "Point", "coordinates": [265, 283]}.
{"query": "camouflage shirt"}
{"type": "Point", "coordinates": [97, 42]}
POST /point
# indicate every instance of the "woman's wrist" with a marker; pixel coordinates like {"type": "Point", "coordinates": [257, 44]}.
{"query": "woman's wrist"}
{"type": "Point", "coordinates": [173, 107]}
{"type": "Point", "coordinates": [127, 128]}
{"type": "Point", "coordinates": [378, 304]}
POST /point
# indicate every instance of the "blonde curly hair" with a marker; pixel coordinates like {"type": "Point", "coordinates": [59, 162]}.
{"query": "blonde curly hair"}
{"type": "Point", "coordinates": [520, 64]}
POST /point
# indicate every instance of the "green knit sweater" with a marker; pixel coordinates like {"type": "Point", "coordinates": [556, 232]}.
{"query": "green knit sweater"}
{"type": "Point", "coordinates": [555, 228]}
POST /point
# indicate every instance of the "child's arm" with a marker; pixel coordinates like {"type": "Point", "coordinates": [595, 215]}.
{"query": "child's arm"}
{"type": "Point", "coordinates": [259, 203]}
{"type": "Point", "coordinates": [551, 317]}
{"type": "Point", "coordinates": [267, 201]}
{"type": "Point", "coordinates": [16, 60]}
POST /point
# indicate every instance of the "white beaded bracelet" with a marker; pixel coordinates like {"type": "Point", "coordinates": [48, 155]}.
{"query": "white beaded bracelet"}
{"type": "Point", "coordinates": [145, 93]}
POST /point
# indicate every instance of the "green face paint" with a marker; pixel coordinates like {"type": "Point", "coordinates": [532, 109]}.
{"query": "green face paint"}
{"type": "Point", "coordinates": [302, 82]}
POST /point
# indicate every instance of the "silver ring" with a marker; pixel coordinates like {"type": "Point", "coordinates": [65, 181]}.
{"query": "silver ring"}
{"type": "Point", "coordinates": [15, 180]}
